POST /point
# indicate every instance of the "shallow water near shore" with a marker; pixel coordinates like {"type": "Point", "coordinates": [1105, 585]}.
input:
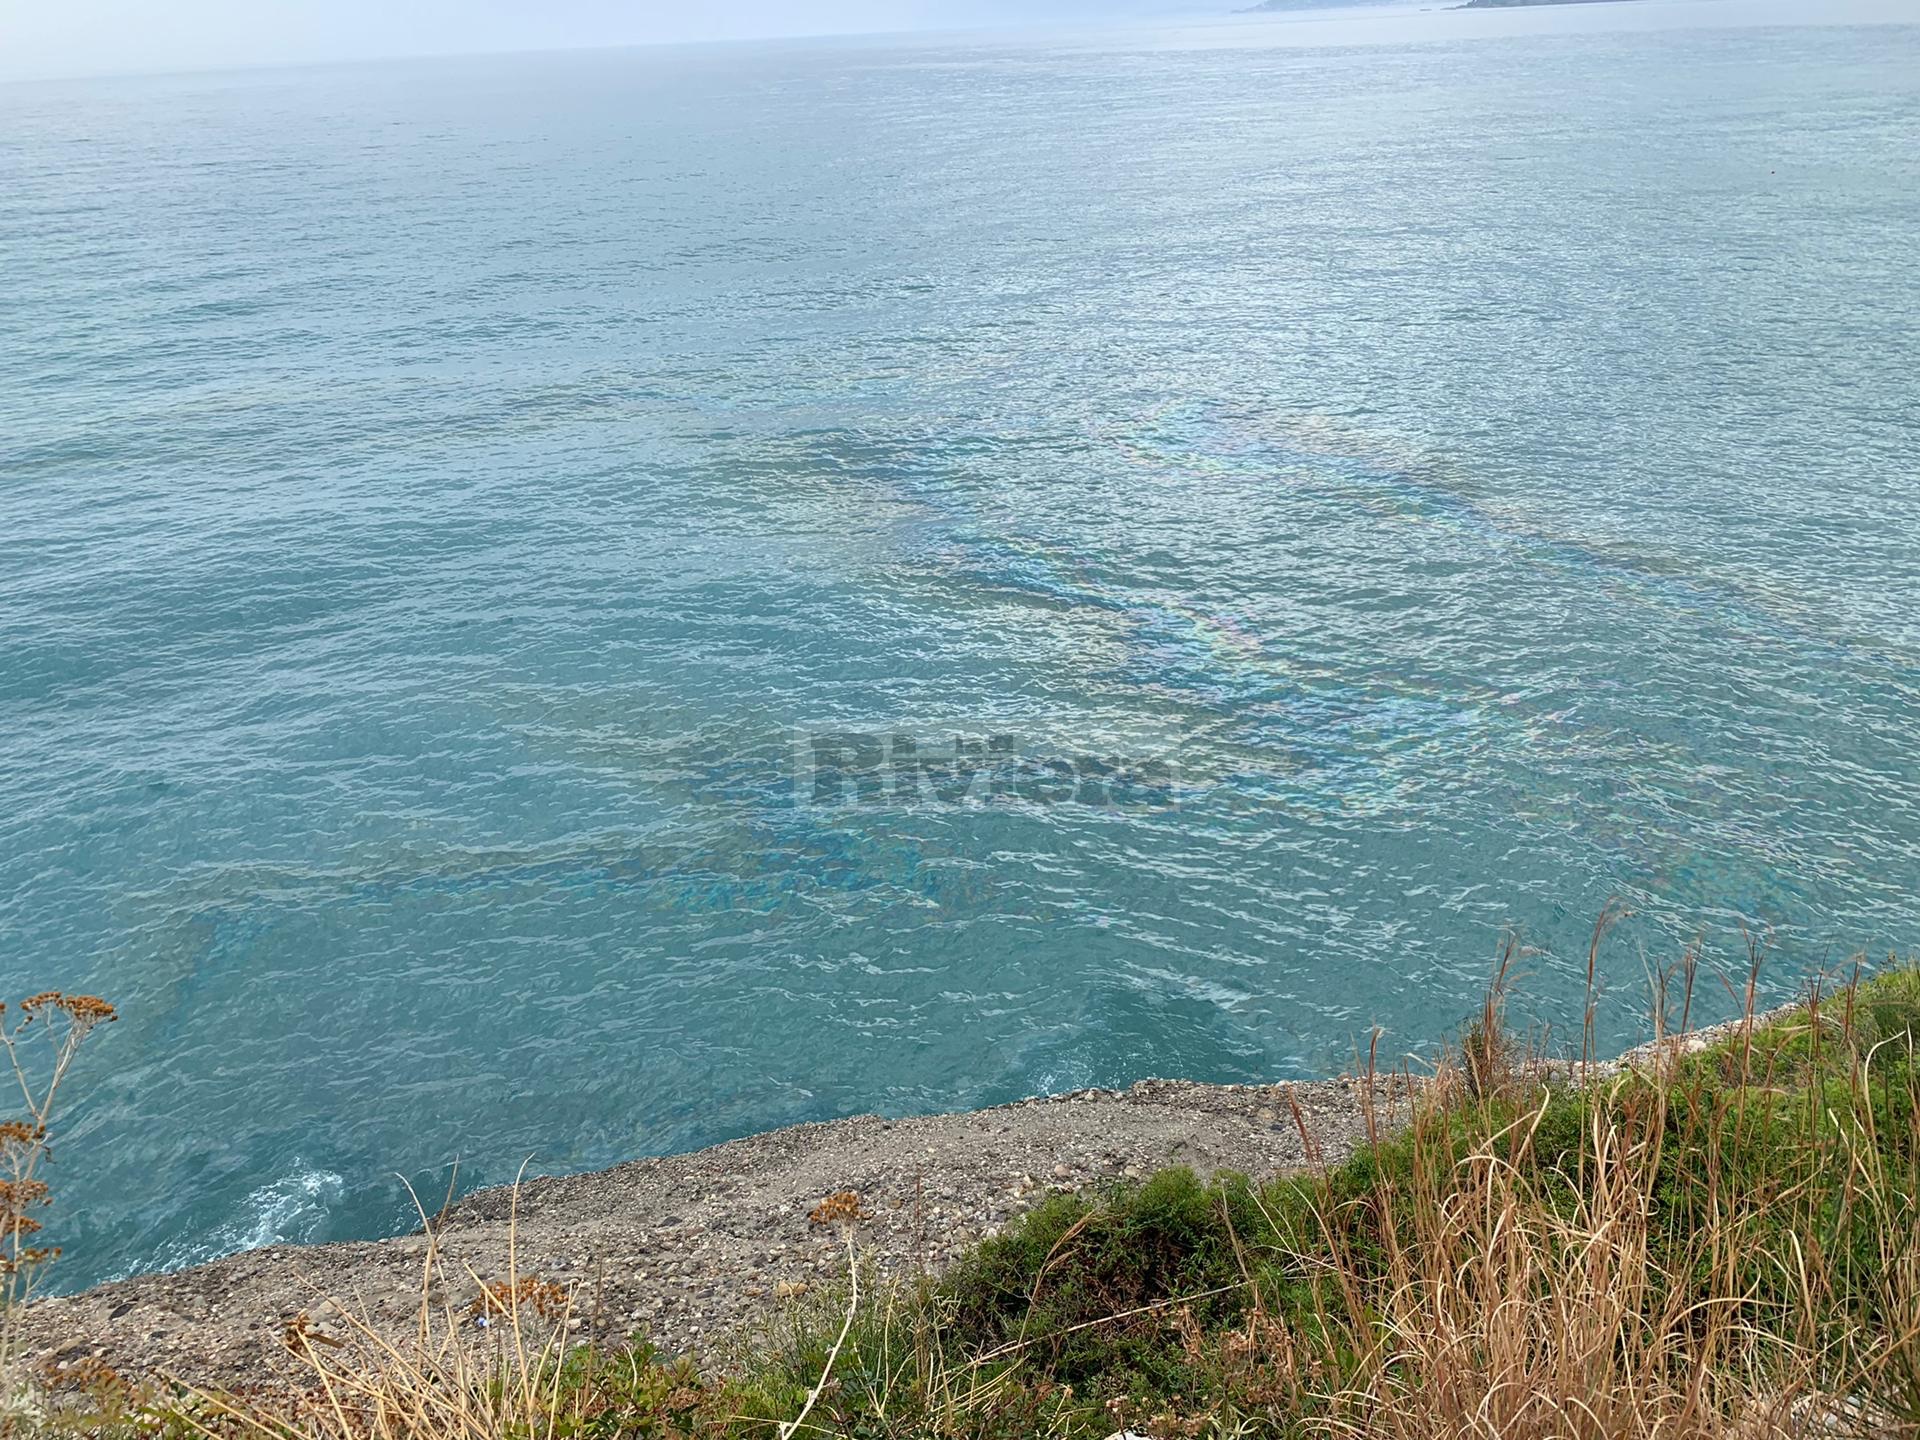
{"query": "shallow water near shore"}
{"type": "Point", "coordinates": [1465, 462]}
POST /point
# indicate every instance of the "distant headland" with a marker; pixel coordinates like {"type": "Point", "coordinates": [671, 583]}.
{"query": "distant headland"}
{"type": "Point", "coordinates": [1275, 7]}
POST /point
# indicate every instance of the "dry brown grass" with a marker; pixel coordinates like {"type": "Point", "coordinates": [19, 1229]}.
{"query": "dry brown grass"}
{"type": "Point", "coordinates": [1503, 1312]}
{"type": "Point", "coordinates": [1677, 1270]}
{"type": "Point", "coordinates": [501, 1365]}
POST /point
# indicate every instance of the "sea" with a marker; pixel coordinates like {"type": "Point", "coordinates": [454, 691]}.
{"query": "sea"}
{"type": "Point", "coordinates": [570, 606]}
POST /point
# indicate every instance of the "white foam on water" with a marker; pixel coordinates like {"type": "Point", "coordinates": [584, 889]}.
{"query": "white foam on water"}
{"type": "Point", "coordinates": [290, 1210]}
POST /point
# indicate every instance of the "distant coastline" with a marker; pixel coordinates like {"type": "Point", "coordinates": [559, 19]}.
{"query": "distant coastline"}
{"type": "Point", "coordinates": [1277, 7]}
{"type": "Point", "coordinates": [1515, 4]}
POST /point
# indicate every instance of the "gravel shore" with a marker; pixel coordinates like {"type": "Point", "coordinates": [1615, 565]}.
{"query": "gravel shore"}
{"type": "Point", "coordinates": [691, 1249]}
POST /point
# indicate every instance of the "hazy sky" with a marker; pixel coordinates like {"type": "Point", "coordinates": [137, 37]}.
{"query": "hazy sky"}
{"type": "Point", "coordinates": [68, 37]}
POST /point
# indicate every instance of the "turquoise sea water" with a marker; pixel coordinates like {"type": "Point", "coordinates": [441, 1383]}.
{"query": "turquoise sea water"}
{"type": "Point", "coordinates": [1476, 453]}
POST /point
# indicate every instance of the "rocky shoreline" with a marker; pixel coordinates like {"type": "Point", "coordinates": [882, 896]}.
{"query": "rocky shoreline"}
{"type": "Point", "coordinates": [695, 1250]}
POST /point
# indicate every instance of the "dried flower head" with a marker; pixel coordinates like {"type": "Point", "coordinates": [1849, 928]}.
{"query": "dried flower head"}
{"type": "Point", "coordinates": [529, 1292]}
{"type": "Point", "coordinates": [87, 1373]}
{"type": "Point", "coordinates": [83, 1011]}
{"type": "Point", "coordinates": [18, 1132]}
{"type": "Point", "coordinates": [299, 1334]}
{"type": "Point", "coordinates": [29, 1258]}
{"type": "Point", "coordinates": [17, 1195]}
{"type": "Point", "coordinates": [23, 1141]}
{"type": "Point", "coordinates": [841, 1208]}
{"type": "Point", "coordinates": [87, 1011]}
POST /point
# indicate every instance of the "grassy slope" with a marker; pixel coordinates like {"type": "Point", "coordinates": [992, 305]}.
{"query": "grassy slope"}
{"type": "Point", "coordinates": [1731, 1247]}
